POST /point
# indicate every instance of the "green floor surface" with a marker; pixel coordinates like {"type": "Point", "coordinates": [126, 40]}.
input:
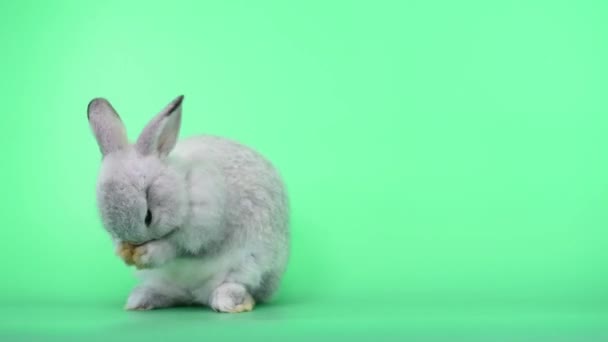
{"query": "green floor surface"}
{"type": "Point", "coordinates": [332, 320]}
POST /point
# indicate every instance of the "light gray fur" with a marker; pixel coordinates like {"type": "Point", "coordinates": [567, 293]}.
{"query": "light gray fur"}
{"type": "Point", "coordinates": [219, 210]}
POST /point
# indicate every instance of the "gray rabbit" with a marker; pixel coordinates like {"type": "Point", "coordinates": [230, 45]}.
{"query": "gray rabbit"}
{"type": "Point", "coordinates": [204, 220]}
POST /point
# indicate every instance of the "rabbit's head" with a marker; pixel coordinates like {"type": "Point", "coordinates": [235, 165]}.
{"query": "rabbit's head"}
{"type": "Point", "coordinates": [140, 197]}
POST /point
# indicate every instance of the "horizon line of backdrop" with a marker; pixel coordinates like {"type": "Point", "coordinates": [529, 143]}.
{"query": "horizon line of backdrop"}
{"type": "Point", "coordinates": [435, 151]}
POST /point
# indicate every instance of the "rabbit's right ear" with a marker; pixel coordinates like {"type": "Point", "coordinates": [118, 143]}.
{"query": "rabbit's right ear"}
{"type": "Point", "coordinates": [106, 124]}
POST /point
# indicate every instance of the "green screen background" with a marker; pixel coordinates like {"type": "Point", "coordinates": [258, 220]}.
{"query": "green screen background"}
{"type": "Point", "coordinates": [447, 160]}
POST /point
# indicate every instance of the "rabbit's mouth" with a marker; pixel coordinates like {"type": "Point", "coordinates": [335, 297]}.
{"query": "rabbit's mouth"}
{"type": "Point", "coordinates": [163, 237]}
{"type": "Point", "coordinates": [168, 234]}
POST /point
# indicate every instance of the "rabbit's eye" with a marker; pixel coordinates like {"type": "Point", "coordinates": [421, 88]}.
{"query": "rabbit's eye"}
{"type": "Point", "coordinates": [148, 219]}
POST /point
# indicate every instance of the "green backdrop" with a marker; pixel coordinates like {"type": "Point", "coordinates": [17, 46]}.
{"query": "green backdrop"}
{"type": "Point", "coordinates": [447, 161]}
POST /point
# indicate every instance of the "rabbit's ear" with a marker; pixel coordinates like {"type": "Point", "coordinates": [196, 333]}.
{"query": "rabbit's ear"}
{"type": "Point", "coordinates": [106, 124]}
{"type": "Point", "coordinates": [160, 135]}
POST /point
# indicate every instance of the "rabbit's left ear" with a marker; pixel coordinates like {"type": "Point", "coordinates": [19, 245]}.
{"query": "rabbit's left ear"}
{"type": "Point", "coordinates": [160, 135]}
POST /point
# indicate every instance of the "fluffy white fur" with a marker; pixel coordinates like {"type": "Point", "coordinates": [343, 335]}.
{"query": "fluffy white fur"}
{"type": "Point", "coordinates": [218, 232]}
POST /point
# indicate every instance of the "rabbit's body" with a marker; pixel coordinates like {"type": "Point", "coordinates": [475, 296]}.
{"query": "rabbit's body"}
{"type": "Point", "coordinates": [205, 220]}
{"type": "Point", "coordinates": [236, 227]}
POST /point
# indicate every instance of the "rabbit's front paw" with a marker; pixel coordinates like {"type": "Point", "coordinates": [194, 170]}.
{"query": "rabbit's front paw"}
{"type": "Point", "coordinates": [152, 254]}
{"type": "Point", "coordinates": [142, 257]}
{"type": "Point", "coordinates": [125, 251]}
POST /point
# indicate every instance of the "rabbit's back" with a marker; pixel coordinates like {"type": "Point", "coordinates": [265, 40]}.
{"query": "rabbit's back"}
{"type": "Point", "coordinates": [254, 206]}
